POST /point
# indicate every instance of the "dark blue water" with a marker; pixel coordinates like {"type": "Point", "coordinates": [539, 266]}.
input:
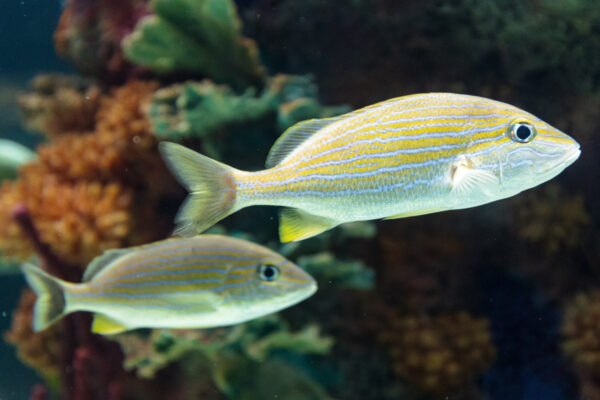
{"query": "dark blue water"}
{"type": "Point", "coordinates": [26, 49]}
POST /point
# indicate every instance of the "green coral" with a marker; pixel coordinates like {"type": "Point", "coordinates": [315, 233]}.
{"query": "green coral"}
{"type": "Point", "coordinates": [196, 109]}
{"type": "Point", "coordinates": [203, 109]}
{"type": "Point", "coordinates": [271, 379]}
{"type": "Point", "coordinates": [324, 267]}
{"type": "Point", "coordinates": [229, 352]}
{"type": "Point", "coordinates": [195, 36]}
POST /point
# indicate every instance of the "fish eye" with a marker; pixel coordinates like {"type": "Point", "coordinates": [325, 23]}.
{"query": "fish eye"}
{"type": "Point", "coordinates": [268, 272]}
{"type": "Point", "coordinates": [522, 132]}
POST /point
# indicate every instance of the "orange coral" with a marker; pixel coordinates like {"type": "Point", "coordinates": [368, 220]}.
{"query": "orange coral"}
{"type": "Point", "coordinates": [94, 191]}
{"type": "Point", "coordinates": [59, 104]}
{"type": "Point", "coordinates": [78, 220]}
{"type": "Point", "coordinates": [121, 136]}
{"type": "Point", "coordinates": [40, 350]}
{"type": "Point", "coordinates": [439, 354]}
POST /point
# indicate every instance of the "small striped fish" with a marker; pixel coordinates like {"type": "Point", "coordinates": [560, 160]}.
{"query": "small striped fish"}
{"type": "Point", "coordinates": [407, 156]}
{"type": "Point", "coordinates": [198, 282]}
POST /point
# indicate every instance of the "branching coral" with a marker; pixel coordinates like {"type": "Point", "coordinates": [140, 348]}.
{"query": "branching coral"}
{"type": "Point", "coordinates": [89, 33]}
{"type": "Point", "coordinates": [40, 350]}
{"type": "Point", "coordinates": [228, 352]}
{"type": "Point", "coordinates": [94, 191]}
{"type": "Point", "coordinates": [205, 109]}
{"type": "Point", "coordinates": [254, 340]}
{"type": "Point", "coordinates": [57, 104]}
{"type": "Point", "coordinates": [439, 354]}
{"type": "Point", "coordinates": [79, 220]}
{"type": "Point", "coordinates": [196, 36]}
{"type": "Point", "coordinates": [121, 136]}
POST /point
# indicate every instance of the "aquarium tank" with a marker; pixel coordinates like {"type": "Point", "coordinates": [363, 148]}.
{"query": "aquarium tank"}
{"type": "Point", "coordinates": [317, 199]}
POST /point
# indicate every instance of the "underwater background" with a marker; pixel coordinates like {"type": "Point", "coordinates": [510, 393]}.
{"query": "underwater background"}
{"type": "Point", "coordinates": [500, 301]}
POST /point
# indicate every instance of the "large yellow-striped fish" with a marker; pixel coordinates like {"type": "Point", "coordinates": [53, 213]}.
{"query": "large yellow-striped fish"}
{"type": "Point", "coordinates": [407, 156]}
{"type": "Point", "coordinates": [198, 282]}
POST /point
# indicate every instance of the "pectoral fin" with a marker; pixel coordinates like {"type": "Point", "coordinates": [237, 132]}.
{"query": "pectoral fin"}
{"type": "Point", "coordinates": [295, 224]}
{"type": "Point", "coordinates": [467, 180]}
{"type": "Point", "coordinates": [106, 326]}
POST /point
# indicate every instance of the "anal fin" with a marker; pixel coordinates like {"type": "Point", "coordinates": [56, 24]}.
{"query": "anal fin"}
{"type": "Point", "coordinates": [295, 224]}
{"type": "Point", "coordinates": [106, 326]}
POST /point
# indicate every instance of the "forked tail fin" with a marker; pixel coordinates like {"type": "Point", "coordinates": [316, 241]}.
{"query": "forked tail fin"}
{"type": "Point", "coordinates": [50, 304]}
{"type": "Point", "coordinates": [210, 183]}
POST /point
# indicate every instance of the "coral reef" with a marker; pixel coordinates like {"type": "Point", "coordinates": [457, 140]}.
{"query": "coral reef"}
{"type": "Point", "coordinates": [181, 70]}
{"type": "Point", "coordinates": [196, 37]}
{"type": "Point", "coordinates": [439, 354]}
{"type": "Point", "coordinates": [466, 46]}
{"type": "Point", "coordinates": [89, 33]}
{"type": "Point", "coordinates": [205, 110]}
{"type": "Point", "coordinates": [59, 103]}
{"type": "Point", "coordinates": [40, 350]}
{"type": "Point", "coordinates": [581, 341]}
{"type": "Point", "coordinates": [326, 267]}
{"type": "Point", "coordinates": [244, 349]}
{"type": "Point", "coordinates": [78, 220]}
{"type": "Point", "coordinates": [551, 218]}
{"type": "Point", "coordinates": [92, 191]}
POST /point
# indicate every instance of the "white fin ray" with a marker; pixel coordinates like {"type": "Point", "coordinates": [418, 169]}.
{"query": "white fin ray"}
{"type": "Point", "coordinates": [467, 180]}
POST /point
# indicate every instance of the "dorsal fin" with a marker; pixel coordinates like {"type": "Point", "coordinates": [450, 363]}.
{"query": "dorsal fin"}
{"type": "Point", "coordinates": [293, 137]}
{"type": "Point", "coordinates": [102, 261]}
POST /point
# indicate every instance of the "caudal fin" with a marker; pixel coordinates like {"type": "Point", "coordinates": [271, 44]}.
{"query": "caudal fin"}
{"type": "Point", "coordinates": [50, 304]}
{"type": "Point", "coordinates": [210, 183]}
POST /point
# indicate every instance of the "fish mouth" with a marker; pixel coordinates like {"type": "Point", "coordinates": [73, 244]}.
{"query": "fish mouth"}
{"type": "Point", "coordinates": [303, 294]}
{"type": "Point", "coordinates": [571, 155]}
{"type": "Point", "coordinates": [568, 157]}
{"type": "Point", "coordinates": [564, 160]}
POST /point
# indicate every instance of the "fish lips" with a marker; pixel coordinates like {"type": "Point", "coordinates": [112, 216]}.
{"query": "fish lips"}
{"type": "Point", "coordinates": [563, 161]}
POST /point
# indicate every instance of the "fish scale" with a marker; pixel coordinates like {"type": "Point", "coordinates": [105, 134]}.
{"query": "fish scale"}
{"type": "Point", "coordinates": [406, 156]}
{"type": "Point", "coordinates": [203, 281]}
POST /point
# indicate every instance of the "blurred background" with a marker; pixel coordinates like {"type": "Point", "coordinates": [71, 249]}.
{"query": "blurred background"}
{"type": "Point", "coordinates": [500, 301]}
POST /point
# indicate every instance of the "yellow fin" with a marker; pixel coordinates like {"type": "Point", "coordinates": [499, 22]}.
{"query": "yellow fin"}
{"type": "Point", "coordinates": [415, 213]}
{"type": "Point", "coordinates": [295, 225]}
{"type": "Point", "coordinates": [106, 326]}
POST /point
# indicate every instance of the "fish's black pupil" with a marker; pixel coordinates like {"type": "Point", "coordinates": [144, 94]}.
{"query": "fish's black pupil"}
{"type": "Point", "coordinates": [523, 132]}
{"type": "Point", "coordinates": [269, 272]}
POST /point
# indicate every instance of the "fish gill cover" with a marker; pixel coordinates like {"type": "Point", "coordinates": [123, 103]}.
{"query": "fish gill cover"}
{"type": "Point", "coordinates": [421, 308]}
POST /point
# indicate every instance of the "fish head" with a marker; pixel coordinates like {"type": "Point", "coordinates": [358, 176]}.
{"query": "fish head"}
{"type": "Point", "coordinates": [522, 152]}
{"type": "Point", "coordinates": [269, 284]}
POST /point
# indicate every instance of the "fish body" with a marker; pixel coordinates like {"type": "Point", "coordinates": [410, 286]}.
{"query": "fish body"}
{"type": "Point", "coordinates": [407, 156]}
{"type": "Point", "coordinates": [197, 282]}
